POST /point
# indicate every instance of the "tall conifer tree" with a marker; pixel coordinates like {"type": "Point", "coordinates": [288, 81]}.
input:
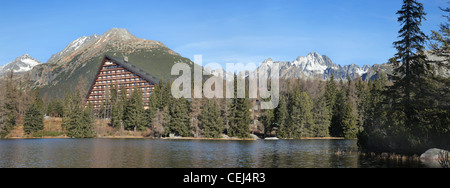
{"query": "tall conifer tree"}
{"type": "Point", "coordinates": [134, 115]}
{"type": "Point", "coordinates": [240, 115]}
{"type": "Point", "coordinates": [34, 116]}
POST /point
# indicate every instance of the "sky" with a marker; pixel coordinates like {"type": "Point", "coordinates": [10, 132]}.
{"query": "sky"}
{"type": "Point", "coordinates": [231, 31]}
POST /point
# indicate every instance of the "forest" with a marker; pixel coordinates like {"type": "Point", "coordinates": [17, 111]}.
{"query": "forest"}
{"type": "Point", "coordinates": [407, 111]}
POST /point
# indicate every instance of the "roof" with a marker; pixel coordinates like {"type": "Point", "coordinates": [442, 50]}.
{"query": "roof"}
{"type": "Point", "coordinates": [140, 72]}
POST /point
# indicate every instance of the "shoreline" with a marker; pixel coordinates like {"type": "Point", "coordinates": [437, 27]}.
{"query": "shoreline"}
{"type": "Point", "coordinates": [174, 138]}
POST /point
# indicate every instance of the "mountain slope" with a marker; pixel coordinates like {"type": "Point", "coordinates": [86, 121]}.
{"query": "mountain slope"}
{"type": "Point", "coordinates": [77, 64]}
{"type": "Point", "coordinates": [21, 64]}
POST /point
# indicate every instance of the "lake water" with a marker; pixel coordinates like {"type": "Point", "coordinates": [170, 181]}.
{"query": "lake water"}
{"type": "Point", "coordinates": [130, 153]}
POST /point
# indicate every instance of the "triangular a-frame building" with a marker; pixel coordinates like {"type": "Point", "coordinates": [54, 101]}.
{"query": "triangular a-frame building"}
{"type": "Point", "coordinates": [120, 74]}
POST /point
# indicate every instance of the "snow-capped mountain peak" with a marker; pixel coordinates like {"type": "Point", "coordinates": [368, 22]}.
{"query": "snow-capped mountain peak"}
{"type": "Point", "coordinates": [313, 63]}
{"type": "Point", "coordinates": [22, 63]}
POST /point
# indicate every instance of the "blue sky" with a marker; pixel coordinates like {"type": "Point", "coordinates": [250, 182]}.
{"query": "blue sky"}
{"type": "Point", "coordinates": [246, 31]}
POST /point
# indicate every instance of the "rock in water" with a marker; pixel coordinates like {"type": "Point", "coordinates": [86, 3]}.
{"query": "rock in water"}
{"type": "Point", "coordinates": [431, 157]}
{"type": "Point", "coordinates": [432, 154]}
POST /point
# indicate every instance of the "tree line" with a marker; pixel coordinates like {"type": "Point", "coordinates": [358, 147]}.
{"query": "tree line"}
{"type": "Point", "coordinates": [308, 108]}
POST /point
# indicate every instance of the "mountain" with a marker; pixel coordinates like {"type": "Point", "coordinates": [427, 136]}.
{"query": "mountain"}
{"type": "Point", "coordinates": [21, 64]}
{"type": "Point", "coordinates": [321, 66]}
{"type": "Point", "coordinates": [73, 46]}
{"type": "Point", "coordinates": [77, 64]}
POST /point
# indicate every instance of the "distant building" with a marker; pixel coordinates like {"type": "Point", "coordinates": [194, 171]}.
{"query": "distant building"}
{"type": "Point", "coordinates": [114, 72]}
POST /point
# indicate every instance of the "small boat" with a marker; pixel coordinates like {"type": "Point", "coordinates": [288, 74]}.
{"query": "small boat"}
{"type": "Point", "coordinates": [271, 138]}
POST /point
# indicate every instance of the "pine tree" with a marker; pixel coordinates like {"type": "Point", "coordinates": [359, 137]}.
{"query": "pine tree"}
{"type": "Point", "coordinates": [34, 117]}
{"type": "Point", "coordinates": [307, 120]}
{"type": "Point", "coordinates": [330, 93]}
{"type": "Point", "coordinates": [239, 115]}
{"type": "Point", "coordinates": [134, 114]}
{"type": "Point", "coordinates": [281, 115]}
{"type": "Point", "coordinates": [267, 119]}
{"type": "Point", "coordinates": [179, 117]}
{"type": "Point", "coordinates": [349, 126]}
{"type": "Point", "coordinates": [301, 121]}
{"type": "Point", "coordinates": [322, 118]}
{"type": "Point", "coordinates": [410, 64]}
{"type": "Point", "coordinates": [11, 109]}
{"type": "Point", "coordinates": [409, 93]}
{"type": "Point", "coordinates": [155, 101]}
{"type": "Point", "coordinates": [211, 121]}
{"type": "Point", "coordinates": [78, 121]}
{"type": "Point", "coordinates": [87, 122]}
{"type": "Point", "coordinates": [336, 129]}
{"type": "Point", "coordinates": [58, 108]}
{"type": "Point", "coordinates": [50, 107]}
{"type": "Point", "coordinates": [166, 95]}
{"type": "Point", "coordinates": [294, 127]}
{"type": "Point", "coordinates": [118, 108]}
{"type": "Point", "coordinates": [362, 94]}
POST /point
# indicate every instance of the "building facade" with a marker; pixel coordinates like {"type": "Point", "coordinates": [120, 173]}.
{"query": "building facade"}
{"type": "Point", "coordinates": [118, 74]}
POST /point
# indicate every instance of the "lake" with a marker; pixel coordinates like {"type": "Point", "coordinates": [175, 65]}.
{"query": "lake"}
{"type": "Point", "coordinates": [148, 153]}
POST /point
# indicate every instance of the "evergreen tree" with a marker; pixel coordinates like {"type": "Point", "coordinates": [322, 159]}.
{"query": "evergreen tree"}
{"type": "Point", "coordinates": [362, 94]}
{"type": "Point", "coordinates": [322, 118]}
{"type": "Point", "coordinates": [307, 120]}
{"type": "Point", "coordinates": [11, 109]}
{"type": "Point", "coordinates": [166, 95]}
{"type": "Point", "coordinates": [118, 106]}
{"type": "Point", "coordinates": [349, 126]}
{"type": "Point", "coordinates": [239, 115]}
{"type": "Point", "coordinates": [211, 120]}
{"type": "Point", "coordinates": [134, 113]}
{"type": "Point", "coordinates": [50, 108]}
{"type": "Point", "coordinates": [78, 121]}
{"type": "Point", "coordinates": [410, 64]}
{"type": "Point", "coordinates": [34, 118]}
{"type": "Point", "coordinates": [301, 121]}
{"type": "Point", "coordinates": [267, 119]}
{"type": "Point", "coordinates": [294, 127]}
{"type": "Point", "coordinates": [58, 108]}
{"type": "Point", "coordinates": [155, 101]}
{"type": "Point", "coordinates": [179, 117]}
{"type": "Point", "coordinates": [281, 115]}
{"type": "Point", "coordinates": [409, 97]}
{"type": "Point", "coordinates": [330, 94]}
{"type": "Point", "coordinates": [87, 122]}
{"type": "Point", "coordinates": [336, 128]}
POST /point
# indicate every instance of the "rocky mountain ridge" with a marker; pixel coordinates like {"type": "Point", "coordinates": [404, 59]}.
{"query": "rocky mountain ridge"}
{"type": "Point", "coordinates": [319, 66]}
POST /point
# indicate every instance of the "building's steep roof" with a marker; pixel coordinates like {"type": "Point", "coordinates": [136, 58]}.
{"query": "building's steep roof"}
{"type": "Point", "coordinates": [134, 69]}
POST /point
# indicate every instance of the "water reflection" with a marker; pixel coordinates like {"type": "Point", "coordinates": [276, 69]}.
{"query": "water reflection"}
{"type": "Point", "coordinates": [104, 153]}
